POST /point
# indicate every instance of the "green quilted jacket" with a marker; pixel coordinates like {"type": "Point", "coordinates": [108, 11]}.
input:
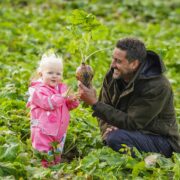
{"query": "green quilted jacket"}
{"type": "Point", "coordinates": [144, 104]}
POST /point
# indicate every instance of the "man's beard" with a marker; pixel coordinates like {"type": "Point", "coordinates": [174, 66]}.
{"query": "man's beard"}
{"type": "Point", "coordinates": [125, 76]}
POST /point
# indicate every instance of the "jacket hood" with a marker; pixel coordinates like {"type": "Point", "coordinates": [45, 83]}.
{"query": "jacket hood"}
{"type": "Point", "coordinates": [38, 83]}
{"type": "Point", "coordinates": [153, 66]}
{"type": "Point", "coordinates": [61, 88]}
{"type": "Point", "coordinates": [35, 83]}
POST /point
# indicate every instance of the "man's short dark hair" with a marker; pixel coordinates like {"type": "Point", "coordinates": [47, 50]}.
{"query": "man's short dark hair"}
{"type": "Point", "coordinates": [134, 47]}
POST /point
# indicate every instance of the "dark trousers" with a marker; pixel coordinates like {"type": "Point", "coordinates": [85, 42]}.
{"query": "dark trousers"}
{"type": "Point", "coordinates": [143, 142]}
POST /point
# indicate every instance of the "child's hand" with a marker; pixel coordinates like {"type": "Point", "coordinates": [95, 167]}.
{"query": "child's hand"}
{"type": "Point", "coordinates": [72, 101]}
{"type": "Point", "coordinates": [74, 97]}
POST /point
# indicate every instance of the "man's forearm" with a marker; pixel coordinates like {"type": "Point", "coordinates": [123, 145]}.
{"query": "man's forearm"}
{"type": "Point", "coordinates": [110, 115]}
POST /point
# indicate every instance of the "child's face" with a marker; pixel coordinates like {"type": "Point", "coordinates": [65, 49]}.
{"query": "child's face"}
{"type": "Point", "coordinates": [51, 75]}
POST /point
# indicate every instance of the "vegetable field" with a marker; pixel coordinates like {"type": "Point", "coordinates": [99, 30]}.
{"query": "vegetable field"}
{"type": "Point", "coordinates": [75, 29]}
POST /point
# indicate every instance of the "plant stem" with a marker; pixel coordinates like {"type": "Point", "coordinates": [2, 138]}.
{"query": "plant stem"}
{"type": "Point", "coordinates": [84, 60]}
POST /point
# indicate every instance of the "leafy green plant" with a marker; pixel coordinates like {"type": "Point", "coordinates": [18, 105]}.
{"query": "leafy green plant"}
{"type": "Point", "coordinates": [77, 30]}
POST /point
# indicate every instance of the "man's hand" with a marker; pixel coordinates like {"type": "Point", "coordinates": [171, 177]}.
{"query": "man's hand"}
{"type": "Point", "coordinates": [108, 130]}
{"type": "Point", "coordinates": [88, 95]}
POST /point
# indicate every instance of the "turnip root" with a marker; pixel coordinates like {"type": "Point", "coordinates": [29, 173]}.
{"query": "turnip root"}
{"type": "Point", "coordinates": [84, 73]}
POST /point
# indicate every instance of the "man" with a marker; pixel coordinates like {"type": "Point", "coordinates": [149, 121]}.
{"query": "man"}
{"type": "Point", "coordinates": [135, 106]}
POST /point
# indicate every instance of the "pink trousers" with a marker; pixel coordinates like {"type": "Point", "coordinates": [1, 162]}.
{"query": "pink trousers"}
{"type": "Point", "coordinates": [49, 147]}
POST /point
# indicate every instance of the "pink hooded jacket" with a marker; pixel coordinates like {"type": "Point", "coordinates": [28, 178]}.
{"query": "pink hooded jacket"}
{"type": "Point", "coordinates": [49, 110]}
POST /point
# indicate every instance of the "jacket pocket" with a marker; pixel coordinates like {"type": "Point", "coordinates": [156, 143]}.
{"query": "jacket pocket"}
{"type": "Point", "coordinates": [49, 124]}
{"type": "Point", "coordinates": [51, 117]}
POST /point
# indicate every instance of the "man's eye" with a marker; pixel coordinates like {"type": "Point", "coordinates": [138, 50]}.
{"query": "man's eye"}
{"type": "Point", "coordinates": [59, 74]}
{"type": "Point", "coordinates": [116, 60]}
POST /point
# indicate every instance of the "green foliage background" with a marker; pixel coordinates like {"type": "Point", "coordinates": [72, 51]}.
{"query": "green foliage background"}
{"type": "Point", "coordinates": [28, 28]}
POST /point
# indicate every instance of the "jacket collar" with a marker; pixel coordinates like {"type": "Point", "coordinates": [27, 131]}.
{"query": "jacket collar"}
{"type": "Point", "coordinates": [152, 67]}
{"type": "Point", "coordinates": [39, 83]}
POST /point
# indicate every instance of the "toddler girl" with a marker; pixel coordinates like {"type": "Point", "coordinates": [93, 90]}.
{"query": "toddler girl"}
{"type": "Point", "coordinates": [49, 110]}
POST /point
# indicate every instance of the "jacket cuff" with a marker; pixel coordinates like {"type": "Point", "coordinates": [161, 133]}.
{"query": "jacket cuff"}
{"type": "Point", "coordinates": [97, 108]}
{"type": "Point", "coordinates": [94, 106]}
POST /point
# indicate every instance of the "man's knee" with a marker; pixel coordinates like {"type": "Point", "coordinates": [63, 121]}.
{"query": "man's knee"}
{"type": "Point", "coordinates": [115, 139]}
{"type": "Point", "coordinates": [111, 139]}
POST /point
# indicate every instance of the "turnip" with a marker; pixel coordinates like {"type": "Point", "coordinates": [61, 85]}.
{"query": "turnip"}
{"type": "Point", "coordinates": [84, 72]}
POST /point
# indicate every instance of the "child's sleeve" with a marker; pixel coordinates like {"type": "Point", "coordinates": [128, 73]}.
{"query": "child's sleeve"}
{"type": "Point", "coordinates": [69, 103]}
{"type": "Point", "coordinates": [41, 99]}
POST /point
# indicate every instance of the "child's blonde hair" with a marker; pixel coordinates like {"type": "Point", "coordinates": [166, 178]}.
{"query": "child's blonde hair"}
{"type": "Point", "coordinates": [49, 59]}
{"type": "Point", "coordinates": [46, 59]}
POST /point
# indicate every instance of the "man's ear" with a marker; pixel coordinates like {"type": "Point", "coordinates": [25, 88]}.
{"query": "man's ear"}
{"type": "Point", "coordinates": [135, 64]}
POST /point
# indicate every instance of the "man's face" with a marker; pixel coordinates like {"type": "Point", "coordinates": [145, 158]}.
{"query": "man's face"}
{"type": "Point", "coordinates": [122, 67]}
